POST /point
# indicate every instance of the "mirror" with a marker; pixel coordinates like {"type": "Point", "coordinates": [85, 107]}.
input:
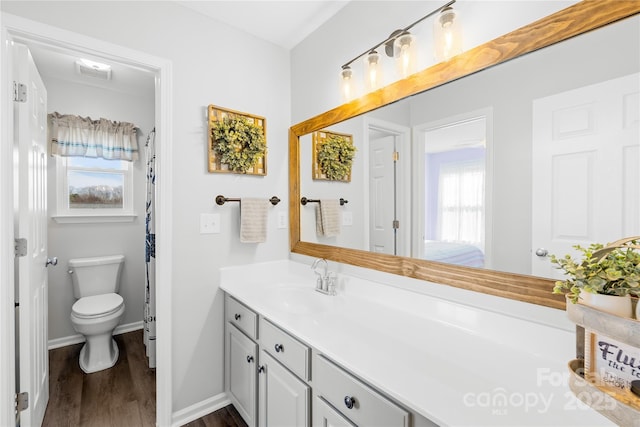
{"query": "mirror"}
{"type": "Point", "coordinates": [510, 198]}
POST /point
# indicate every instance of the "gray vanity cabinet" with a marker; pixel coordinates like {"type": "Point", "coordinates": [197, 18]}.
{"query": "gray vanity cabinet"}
{"type": "Point", "coordinates": [352, 398]}
{"type": "Point", "coordinates": [260, 371]}
{"type": "Point", "coordinates": [326, 415]}
{"type": "Point", "coordinates": [242, 357]}
{"type": "Point", "coordinates": [272, 376]}
{"type": "Point", "coordinates": [283, 398]}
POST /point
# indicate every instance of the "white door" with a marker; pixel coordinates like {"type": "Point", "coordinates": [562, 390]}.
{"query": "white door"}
{"type": "Point", "coordinates": [30, 118]}
{"type": "Point", "coordinates": [586, 152]}
{"type": "Point", "coordinates": [382, 193]}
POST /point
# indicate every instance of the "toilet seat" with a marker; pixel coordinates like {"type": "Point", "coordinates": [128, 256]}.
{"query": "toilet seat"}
{"type": "Point", "coordinates": [97, 306]}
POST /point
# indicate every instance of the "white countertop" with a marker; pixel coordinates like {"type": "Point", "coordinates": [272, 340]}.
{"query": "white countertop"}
{"type": "Point", "coordinates": [454, 364]}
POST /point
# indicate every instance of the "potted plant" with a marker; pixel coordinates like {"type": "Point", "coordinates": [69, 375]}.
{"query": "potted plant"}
{"type": "Point", "coordinates": [605, 278]}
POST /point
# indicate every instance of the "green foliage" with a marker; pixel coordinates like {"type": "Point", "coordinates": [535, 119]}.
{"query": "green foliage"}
{"type": "Point", "coordinates": [335, 157]}
{"type": "Point", "coordinates": [602, 271]}
{"type": "Point", "coordinates": [239, 142]}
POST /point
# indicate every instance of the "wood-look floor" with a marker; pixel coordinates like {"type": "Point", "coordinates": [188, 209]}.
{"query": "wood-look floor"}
{"type": "Point", "coordinates": [123, 396]}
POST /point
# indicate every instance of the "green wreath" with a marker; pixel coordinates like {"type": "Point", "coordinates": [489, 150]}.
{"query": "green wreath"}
{"type": "Point", "coordinates": [335, 157]}
{"type": "Point", "coordinates": [239, 142]}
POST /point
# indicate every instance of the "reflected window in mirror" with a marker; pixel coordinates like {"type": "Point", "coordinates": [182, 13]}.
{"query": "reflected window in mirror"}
{"type": "Point", "coordinates": [454, 193]}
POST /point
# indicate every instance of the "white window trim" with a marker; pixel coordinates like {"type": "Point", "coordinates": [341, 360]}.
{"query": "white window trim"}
{"type": "Point", "coordinates": [64, 215]}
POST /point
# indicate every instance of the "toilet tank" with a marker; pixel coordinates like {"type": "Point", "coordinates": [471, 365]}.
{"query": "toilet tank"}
{"type": "Point", "coordinates": [95, 276]}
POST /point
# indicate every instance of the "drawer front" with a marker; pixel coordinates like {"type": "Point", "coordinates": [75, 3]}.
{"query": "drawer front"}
{"type": "Point", "coordinates": [357, 401]}
{"type": "Point", "coordinates": [285, 348]}
{"type": "Point", "coordinates": [241, 316]}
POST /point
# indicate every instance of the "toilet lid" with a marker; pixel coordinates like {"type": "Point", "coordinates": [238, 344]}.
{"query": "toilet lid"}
{"type": "Point", "coordinates": [97, 305]}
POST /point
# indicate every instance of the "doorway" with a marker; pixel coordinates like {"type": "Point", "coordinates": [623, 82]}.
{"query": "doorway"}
{"type": "Point", "coordinates": [27, 32]}
{"type": "Point", "coordinates": [388, 181]}
{"type": "Point", "coordinates": [452, 192]}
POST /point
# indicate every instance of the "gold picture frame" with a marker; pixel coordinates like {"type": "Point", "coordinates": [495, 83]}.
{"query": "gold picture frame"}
{"type": "Point", "coordinates": [215, 114]}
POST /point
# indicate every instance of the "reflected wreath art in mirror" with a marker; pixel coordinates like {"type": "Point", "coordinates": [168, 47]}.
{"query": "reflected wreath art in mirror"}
{"type": "Point", "coordinates": [333, 155]}
{"type": "Point", "coordinates": [237, 142]}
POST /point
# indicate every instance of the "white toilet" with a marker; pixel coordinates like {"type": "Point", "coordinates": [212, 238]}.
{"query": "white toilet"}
{"type": "Point", "coordinates": [98, 310]}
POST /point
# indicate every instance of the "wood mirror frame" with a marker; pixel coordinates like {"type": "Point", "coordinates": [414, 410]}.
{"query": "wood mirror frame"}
{"type": "Point", "coordinates": [582, 17]}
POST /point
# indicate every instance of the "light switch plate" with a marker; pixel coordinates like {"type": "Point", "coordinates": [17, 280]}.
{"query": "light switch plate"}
{"type": "Point", "coordinates": [209, 223]}
{"type": "Point", "coordinates": [347, 218]}
{"type": "Point", "coordinates": [282, 219]}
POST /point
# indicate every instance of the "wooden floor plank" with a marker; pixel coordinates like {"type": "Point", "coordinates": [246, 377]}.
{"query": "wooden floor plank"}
{"type": "Point", "coordinates": [122, 396]}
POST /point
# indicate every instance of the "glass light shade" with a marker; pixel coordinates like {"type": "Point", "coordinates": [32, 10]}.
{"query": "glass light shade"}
{"type": "Point", "coordinates": [447, 35]}
{"type": "Point", "coordinates": [373, 75]}
{"type": "Point", "coordinates": [405, 54]}
{"type": "Point", "coordinates": [347, 86]}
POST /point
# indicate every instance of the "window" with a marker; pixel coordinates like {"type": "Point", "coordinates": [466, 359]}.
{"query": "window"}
{"type": "Point", "coordinates": [461, 203]}
{"type": "Point", "coordinates": [93, 189]}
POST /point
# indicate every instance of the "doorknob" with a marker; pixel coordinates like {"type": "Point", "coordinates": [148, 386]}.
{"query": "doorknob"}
{"type": "Point", "coordinates": [51, 261]}
{"type": "Point", "coordinates": [542, 252]}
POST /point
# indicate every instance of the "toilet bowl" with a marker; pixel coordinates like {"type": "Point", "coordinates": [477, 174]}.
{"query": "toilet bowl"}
{"type": "Point", "coordinates": [98, 310]}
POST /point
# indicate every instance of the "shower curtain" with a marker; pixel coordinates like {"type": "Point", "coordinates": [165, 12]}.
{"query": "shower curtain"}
{"type": "Point", "coordinates": [150, 252]}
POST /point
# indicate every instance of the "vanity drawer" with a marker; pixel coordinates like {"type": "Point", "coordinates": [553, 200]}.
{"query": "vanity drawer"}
{"type": "Point", "coordinates": [342, 390]}
{"type": "Point", "coordinates": [285, 348]}
{"type": "Point", "coordinates": [241, 316]}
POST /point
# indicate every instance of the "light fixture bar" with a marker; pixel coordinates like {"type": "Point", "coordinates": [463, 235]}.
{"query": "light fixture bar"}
{"type": "Point", "coordinates": [396, 33]}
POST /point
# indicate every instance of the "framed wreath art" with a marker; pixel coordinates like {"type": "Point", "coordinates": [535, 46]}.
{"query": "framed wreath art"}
{"type": "Point", "coordinates": [237, 142]}
{"type": "Point", "coordinates": [333, 155]}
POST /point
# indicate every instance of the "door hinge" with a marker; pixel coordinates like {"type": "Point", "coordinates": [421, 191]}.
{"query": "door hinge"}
{"type": "Point", "coordinates": [19, 92]}
{"type": "Point", "coordinates": [22, 401]}
{"type": "Point", "coordinates": [396, 224]}
{"type": "Point", "coordinates": [20, 247]}
{"type": "Point", "coordinates": [396, 156]}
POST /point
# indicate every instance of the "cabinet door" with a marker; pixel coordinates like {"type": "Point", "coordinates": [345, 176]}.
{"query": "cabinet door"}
{"type": "Point", "coordinates": [284, 399]}
{"type": "Point", "coordinates": [324, 415]}
{"type": "Point", "coordinates": [243, 354]}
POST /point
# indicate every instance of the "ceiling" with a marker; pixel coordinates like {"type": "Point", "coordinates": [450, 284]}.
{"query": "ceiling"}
{"type": "Point", "coordinates": [284, 23]}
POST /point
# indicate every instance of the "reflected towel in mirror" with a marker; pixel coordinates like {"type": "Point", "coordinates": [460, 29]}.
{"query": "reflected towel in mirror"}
{"type": "Point", "coordinates": [328, 218]}
{"type": "Point", "coordinates": [253, 220]}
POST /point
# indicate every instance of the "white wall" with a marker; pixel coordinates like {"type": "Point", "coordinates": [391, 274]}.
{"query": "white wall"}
{"type": "Point", "coordinates": [212, 64]}
{"type": "Point", "coordinates": [68, 241]}
{"type": "Point", "coordinates": [316, 61]}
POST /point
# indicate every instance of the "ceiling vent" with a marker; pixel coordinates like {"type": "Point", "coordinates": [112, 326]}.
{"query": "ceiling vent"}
{"type": "Point", "coordinates": [93, 69]}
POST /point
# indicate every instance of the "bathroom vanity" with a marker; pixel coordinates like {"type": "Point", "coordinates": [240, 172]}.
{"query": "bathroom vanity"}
{"type": "Point", "coordinates": [382, 355]}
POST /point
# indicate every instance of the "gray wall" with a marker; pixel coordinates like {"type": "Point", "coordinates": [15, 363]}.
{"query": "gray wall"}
{"type": "Point", "coordinates": [68, 241]}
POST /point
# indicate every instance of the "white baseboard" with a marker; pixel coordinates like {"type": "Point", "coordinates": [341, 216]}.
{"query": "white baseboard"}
{"type": "Point", "coordinates": [78, 338]}
{"type": "Point", "coordinates": [193, 412]}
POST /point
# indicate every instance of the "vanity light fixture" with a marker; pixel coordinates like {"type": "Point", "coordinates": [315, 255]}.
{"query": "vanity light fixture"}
{"type": "Point", "coordinates": [447, 34]}
{"type": "Point", "coordinates": [400, 45]}
{"type": "Point", "coordinates": [373, 71]}
{"type": "Point", "coordinates": [346, 83]}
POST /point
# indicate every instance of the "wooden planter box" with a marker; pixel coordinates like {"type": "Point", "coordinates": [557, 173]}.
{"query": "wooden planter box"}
{"type": "Point", "coordinates": [604, 332]}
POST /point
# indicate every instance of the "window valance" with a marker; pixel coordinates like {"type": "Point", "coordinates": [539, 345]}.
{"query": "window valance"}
{"type": "Point", "coordinates": [72, 135]}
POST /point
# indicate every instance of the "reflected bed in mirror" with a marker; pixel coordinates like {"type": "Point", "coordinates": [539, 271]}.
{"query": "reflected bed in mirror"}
{"type": "Point", "coordinates": [527, 135]}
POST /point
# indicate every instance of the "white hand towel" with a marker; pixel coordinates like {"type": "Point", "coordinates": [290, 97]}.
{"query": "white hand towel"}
{"type": "Point", "coordinates": [253, 220]}
{"type": "Point", "coordinates": [328, 218]}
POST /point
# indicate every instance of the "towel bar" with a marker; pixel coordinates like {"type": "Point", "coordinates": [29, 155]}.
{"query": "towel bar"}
{"type": "Point", "coordinates": [304, 201]}
{"type": "Point", "coordinates": [220, 200]}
